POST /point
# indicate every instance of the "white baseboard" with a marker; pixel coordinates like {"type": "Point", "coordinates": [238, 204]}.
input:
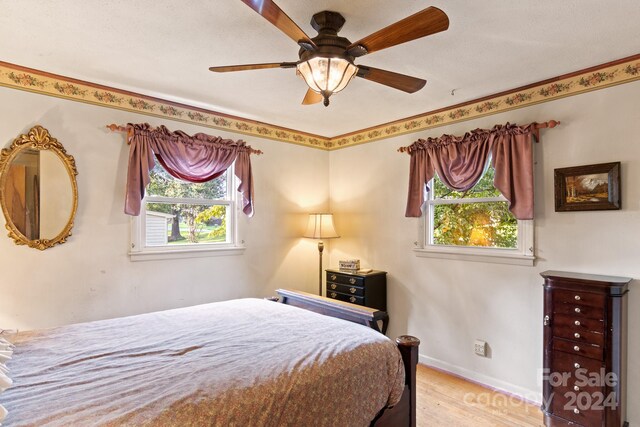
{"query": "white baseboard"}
{"type": "Point", "coordinates": [532, 396]}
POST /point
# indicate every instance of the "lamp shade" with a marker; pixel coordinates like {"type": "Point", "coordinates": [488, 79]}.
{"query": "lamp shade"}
{"type": "Point", "coordinates": [327, 76]}
{"type": "Point", "coordinates": [320, 226]}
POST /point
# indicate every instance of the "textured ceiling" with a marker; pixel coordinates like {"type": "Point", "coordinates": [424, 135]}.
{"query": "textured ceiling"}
{"type": "Point", "coordinates": [163, 48]}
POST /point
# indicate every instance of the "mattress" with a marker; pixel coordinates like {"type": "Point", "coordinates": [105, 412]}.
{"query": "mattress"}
{"type": "Point", "coordinates": [246, 362]}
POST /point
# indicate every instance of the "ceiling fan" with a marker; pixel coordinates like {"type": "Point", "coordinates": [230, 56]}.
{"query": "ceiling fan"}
{"type": "Point", "coordinates": [326, 61]}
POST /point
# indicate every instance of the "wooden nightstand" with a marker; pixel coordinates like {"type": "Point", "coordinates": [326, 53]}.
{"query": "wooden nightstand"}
{"type": "Point", "coordinates": [367, 289]}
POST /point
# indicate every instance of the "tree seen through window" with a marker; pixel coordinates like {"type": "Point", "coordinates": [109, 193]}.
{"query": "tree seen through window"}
{"type": "Point", "coordinates": [191, 210]}
{"type": "Point", "coordinates": [481, 218]}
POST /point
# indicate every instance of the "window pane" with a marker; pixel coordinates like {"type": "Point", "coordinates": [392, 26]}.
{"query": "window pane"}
{"type": "Point", "coordinates": [487, 224]}
{"type": "Point", "coordinates": [484, 188]}
{"type": "Point", "coordinates": [163, 184]}
{"type": "Point", "coordinates": [184, 224]}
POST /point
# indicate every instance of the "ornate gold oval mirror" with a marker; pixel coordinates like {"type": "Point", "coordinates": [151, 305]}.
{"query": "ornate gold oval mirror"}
{"type": "Point", "coordinates": [38, 190]}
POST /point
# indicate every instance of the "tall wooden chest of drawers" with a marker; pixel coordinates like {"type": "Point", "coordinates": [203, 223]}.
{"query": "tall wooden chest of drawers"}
{"type": "Point", "coordinates": [585, 338]}
{"type": "Point", "coordinates": [368, 289]}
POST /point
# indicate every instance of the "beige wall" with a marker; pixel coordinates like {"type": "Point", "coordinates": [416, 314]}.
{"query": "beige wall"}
{"type": "Point", "coordinates": [91, 276]}
{"type": "Point", "coordinates": [448, 303]}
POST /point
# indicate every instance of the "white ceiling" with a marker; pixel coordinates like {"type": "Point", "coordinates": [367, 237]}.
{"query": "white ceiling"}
{"type": "Point", "coordinates": [163, 48]}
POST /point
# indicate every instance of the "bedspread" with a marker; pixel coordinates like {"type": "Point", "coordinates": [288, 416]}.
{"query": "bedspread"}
{"type": "Point", "coordinates": [245, 362]}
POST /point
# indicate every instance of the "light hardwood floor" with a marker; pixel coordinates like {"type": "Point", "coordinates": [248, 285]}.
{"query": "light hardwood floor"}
{"type": "Point", "coordinates": [446, 400]}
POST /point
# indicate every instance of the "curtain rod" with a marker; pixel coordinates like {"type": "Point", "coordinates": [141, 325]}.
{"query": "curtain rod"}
{"type": "Point", "coordinates": [129, 131]}
{"type": "Point", "coordinates": [550, 124]}
{"type": "Point", "coordinates": [117, 128]}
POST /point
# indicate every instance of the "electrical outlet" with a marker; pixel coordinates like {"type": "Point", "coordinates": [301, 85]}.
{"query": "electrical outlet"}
{"type": "Point", "coordinates": [480, 348]}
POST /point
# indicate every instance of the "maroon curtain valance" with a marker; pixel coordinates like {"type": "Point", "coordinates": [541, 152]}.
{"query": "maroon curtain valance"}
{"type": "Point", "coordinates": [197, 158]}
{"type": "Point", "coordinates": [459, 162]}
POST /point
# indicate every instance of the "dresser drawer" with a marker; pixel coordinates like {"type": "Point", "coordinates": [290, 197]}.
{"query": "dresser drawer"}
{"type": "Point", "coordinates": [578, 387]}
{"type": "Point", "coordinates": [580, 311]}
{"type": "Point", "coordinates": [346, 289]}
{"type": "Point", "coordinates": [578, 348]}
{"type": "Point", "coordinates": [588, 299]}
{"type": "Point", "coordinates": [572, 388]}
{"type": "Point", "coordinates": [579, 323]}
{"type": "Point", "coordinates": [575, 407]}
{"type": "Point", "coordinates": [570, 363]}
{"type": "Point", "coordinates": [573, 333]}
{"type": "Point", "coordinates": [344, 279]}
{"type": "Point", "coordinates": [344, 297]}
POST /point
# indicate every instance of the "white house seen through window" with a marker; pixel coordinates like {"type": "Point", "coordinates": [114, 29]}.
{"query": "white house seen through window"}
{"type": "Point", "coordinates": [179, 214]}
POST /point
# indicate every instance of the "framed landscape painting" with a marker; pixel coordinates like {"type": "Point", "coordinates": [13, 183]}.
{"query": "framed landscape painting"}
{"type": "Point", "coordinates": [588, 188]}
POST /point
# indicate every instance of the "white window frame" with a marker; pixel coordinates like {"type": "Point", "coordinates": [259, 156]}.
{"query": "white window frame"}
{"type": "Point", "coordinates": [523, 254]}
{"type": "Point", "coordinates": [233, 246]}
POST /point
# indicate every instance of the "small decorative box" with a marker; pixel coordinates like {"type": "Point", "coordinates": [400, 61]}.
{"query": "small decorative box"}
{"type": "Point", "coordinates": [349, 264]}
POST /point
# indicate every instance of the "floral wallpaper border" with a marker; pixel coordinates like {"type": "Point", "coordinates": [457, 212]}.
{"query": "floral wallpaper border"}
{"type": "Point", "coordinates": [581, 82]}
{"type": "Point", "coordinates": [18, 77]}
{"type": "Point", "coordinates": [44, 83]}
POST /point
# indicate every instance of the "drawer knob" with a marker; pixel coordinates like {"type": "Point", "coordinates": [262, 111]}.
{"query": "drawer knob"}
{"type": "Point", "coordinates": [576, 348]}
{"type": "Point", "coordinates": [333, 277]}
{"type": "Point", "coordinates": [577, 310]}
{"type": "Point", "coordinates": [576, 388]}
{"type": "Point", "coordinates": [576, 365]}
{"type": "Point", "coordinates": [577, 335]}
{"type": "Point", "coordinates": [577, 297]}
{"type": "Point", "coordinates": [352, 299]}
{"type": "Point", "coordinates": [576, 411]}
{"type": "Point", "coordinates": [352, 281]}
{"type": "Point", "coordinates": [333, 286]}
{"type": "Point", "coordinates": [352, 290]}
{"type": "Point", "coordinates": [333, 295]}
{"type": "Point", "coordinates": [577, 323]}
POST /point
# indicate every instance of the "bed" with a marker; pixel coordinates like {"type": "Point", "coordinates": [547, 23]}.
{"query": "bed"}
{"type": "Point", "coordinates": [247, 362]}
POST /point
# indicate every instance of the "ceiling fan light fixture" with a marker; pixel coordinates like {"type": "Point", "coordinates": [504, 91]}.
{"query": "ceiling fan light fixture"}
{"type": "Point", "coordinates": [326, 75]}
{"type": "Point", "coordinates": [326, 60]}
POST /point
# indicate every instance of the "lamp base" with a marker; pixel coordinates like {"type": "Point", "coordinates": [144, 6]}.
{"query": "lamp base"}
{"type": "Point", "coordinates": [320, 249]}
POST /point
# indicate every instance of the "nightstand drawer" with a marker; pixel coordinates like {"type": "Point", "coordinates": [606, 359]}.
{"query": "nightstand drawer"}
{"type": "Point", "coordinates": [345, 279]}
{"type": "Point", "coordinates": [345, 289]}
{"type": "Point", "coordinates": [368, 289]}
{"type": "Point", "coordinates": [344, 297]}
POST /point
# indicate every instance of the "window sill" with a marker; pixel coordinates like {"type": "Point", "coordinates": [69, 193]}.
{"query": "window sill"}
{"type": "Point", "coordinates": [162, 254]}
{"type": "Point", "coordinates": [496, 258]}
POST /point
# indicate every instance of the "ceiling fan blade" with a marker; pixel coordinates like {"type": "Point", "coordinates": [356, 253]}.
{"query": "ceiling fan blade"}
{"type": "Point", "coordinates": [272, 13]}
{"type": "Point", "coordinates": [426, 22]}
{"type": "Point", "coordinates": [389, 78]}
{"type": "Point", "coordinates": [227, 68]}
{"type": "Point", "coordinates": [311, 97]}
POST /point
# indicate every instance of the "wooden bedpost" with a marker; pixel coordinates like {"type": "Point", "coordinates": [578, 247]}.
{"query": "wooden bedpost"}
{"type": "Point", "coordinates": [408, 346]}
{"type": "Point", "coordinates": [404, 413]}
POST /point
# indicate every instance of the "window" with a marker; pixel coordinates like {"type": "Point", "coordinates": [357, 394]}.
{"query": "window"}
{"type": "Point", "coordinates": [474, 225]}
{"type": "Point", "coordinates": [179, 218]}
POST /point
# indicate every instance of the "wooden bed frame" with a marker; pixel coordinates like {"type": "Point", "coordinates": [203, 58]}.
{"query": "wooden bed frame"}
{"type": "Point", "coordinates": [404, 413]}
